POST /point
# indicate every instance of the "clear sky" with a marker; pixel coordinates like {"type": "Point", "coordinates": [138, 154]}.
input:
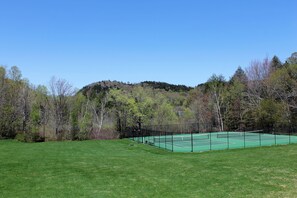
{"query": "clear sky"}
{"type": "Point", "coordinates": [174, 41]}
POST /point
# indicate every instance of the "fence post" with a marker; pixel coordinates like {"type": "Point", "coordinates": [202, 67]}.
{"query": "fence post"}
{"type": "Point", "coordinates": [274, 138]}
{"type": "Point", "coordinates": [192, 145]}
{"type": "Point", "coordinates": [243, 139]}
{"type": "Point", "coordinates": [172, 141]}
{"type": "Point", "coordinates": [159, 139]}
{"type": "Point", "coordinates": [133, 135]}
{"type": "Point", "coordinates": [228, 141]}
{"type": "Point", "coordinates": [260, 139]}
{"type": "Point", "coordinates": [165, 140]}
{"type": "Point", "coordinates": [142, 138]}
{"type": "Point", "coordinates": [290, 130]}
{"type": "Point", "coordinates": [210, 141]}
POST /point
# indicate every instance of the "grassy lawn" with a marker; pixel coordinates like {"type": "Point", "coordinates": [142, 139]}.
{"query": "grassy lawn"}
{"type": "Point", "coordinates": [122, 168]}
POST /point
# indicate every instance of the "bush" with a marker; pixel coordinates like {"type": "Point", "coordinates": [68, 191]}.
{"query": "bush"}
{"type": "Point", "coordinates": [29, 137]}
{"type": "Point", "coordinates": [37, 138]}
{"type": "Point", "coordinates": [20, 137]}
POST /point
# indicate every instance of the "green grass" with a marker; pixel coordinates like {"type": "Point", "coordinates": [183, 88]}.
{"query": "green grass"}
{"type": "Point", "coordinates": [122, 168]}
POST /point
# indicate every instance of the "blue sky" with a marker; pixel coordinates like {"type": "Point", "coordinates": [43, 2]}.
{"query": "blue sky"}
{"type": "Point", "coordinates": [174, 41]}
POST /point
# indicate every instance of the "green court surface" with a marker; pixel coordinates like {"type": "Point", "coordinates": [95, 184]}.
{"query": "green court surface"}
{"type": "Point", "coordinates": [200, 142]}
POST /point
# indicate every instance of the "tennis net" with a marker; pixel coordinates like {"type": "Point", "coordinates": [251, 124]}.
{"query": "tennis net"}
{"type": "Point", "coordinates": [180, 138]}
{"type": "Point", "coordinates": [255, 133]}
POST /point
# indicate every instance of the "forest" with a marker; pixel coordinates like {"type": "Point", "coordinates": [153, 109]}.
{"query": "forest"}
{"type": "Point", "coordinates": [261, 96]}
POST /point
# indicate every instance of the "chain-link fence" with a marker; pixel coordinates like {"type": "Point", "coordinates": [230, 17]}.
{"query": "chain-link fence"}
{"type": "Point", "coordinates": [194, 138]}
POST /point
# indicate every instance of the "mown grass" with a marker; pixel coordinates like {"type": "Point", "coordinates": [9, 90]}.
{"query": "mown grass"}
{"type": "Point", "coordinates": [121, 168]}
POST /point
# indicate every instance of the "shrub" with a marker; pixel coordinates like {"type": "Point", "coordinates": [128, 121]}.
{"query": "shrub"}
{"type": "Point", "coordinates": [20, 137]}
{"type": "Point", "coordinates": [29, 137]}
{"type": "Point", "coordinates": [37, 138]}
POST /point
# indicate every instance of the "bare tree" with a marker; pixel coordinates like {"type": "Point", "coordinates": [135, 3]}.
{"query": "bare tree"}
{"type": "Point", "coordinates": [258, 73]}
{"type": "Point", "coordinates": [99, 107]}
{"type": "Point", "coordinates": [41, 102]}
{"type": "Point", "coordinates": [10, 88]}
{"type": "Point", "coordinates": [2, 86]}
{"type": "Point", "coordinates": [25, 105]}
{"type": "Point", "coordinates": [61, 90]}
{"type": "Point", "coordinates": [201, 109]}
{"type": "Point", "coordinates": [2, 79]}
{"type": "Point", "coordinates": [216, 88]}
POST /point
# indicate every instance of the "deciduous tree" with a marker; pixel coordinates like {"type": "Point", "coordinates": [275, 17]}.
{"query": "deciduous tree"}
{"type": "Point", "coordinates": [216, 86]}
{"type": "Point", "coordinates": [61, 90]}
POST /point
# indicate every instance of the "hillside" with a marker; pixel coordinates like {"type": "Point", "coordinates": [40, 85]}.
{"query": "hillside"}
{"type": "Point", "coordinates": [107, 85]}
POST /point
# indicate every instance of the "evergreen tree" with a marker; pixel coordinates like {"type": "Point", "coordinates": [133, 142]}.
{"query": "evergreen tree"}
{"type": "Point", "coordinates": [276, 63]}
{"type": "Point", "coordinates": [292, 59]}
{"type": "Point", "coordinates": [239, 76]}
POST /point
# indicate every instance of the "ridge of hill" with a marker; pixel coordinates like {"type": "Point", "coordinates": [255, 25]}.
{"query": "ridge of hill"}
{"type": "Point", "coordinates": [107, 85]}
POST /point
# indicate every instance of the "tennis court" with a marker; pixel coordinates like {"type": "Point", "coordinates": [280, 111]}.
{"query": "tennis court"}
{"type": "Point", "coordinates": [199, 142]}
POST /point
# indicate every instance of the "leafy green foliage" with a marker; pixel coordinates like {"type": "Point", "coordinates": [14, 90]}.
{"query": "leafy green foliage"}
{"type": "Point", "coordinates": [85, 125]}
{"type": "Point", "coordinates": [164, 113]}
{"type": "Point", "coordinates": [269, 113]}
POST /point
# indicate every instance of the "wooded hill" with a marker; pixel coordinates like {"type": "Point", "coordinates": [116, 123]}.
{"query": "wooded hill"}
{"type": "Point", "coordinates": [262, 95]}
{"type": "Point", "coordinates": [107, 85]}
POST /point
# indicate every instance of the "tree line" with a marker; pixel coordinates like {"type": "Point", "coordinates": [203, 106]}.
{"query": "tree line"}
{"type": "Point", "coordinates": [263, 95]}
